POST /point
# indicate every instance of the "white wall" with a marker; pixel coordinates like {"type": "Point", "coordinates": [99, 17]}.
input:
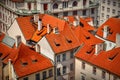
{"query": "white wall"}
{"type": "Point", "coordinates": [46, 48]}
{"type": "Point", "coordinates": [14, 30]}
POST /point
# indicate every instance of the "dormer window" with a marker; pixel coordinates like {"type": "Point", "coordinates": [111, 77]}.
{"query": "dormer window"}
{"type": "Point", "coordinates": [113, 56]}
{"type": "Point", "coordinates": [25, 63]}
{"type": "Point", "coordinates": [68, 40]}
{"type": "Point", "coordinates": [56, 43]}
{"type": "Point", "coordinates": [1, 54]}
{"type": "Point", "coordinates": [87, 37]}
{"type": "Point", "coordinates": [35, 60]}
{"type": "Point", "coordinates": [55, 30]}
{"type": "Point", "coordinates": [81, 24]}
{"type": "Point", "coordinates": [90, 50]}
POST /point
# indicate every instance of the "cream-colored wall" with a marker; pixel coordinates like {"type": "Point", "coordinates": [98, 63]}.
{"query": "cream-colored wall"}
{"type": "Point", "coordinates": [46, 49]}
{"type": "Point", "coordinates": [32, 76]}
{"type": "Point", "coordinates": [87, 72]}
{"type": "Point", "coordinates": [66, 63]}
{"type": "Point", "coordinates": [14, 30]}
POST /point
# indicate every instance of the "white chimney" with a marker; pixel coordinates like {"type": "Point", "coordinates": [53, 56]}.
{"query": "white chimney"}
{"type": "Point", "coordinates": [66, 19]}
{"type": "Point", "coordinates": [18, 40]}
{"type": "Point", "coordinates": [48, 28]}
{"type": "Point", "coordinates": [37, 48]}
{"type": "Point", "coordinates": [39, 25]}
{"type": "Point", "coordinates": [105, 31]}
{"type": "Point", "coordinates": [75, 23]}
{"type": "Point", "coordinates": [118, 40]}
{"type": "Point", "coordinates": [98, 48]}
{"type": "Point", "coordinates": [36, 18]}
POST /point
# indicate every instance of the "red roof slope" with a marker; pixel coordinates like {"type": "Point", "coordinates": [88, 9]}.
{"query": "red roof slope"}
{"type": "Point", "coordinates": [26, 27]}
{"type": "Point", "coordinates": [28, 56]}
{"type": "Point", "coordinates": [114, 26]}
{"type": "Point", "coordinates": [109, 61]}
{"type": "Point", "coordinates": [53, 21]}
{"type": "Point", "coordinates": [63, 41]}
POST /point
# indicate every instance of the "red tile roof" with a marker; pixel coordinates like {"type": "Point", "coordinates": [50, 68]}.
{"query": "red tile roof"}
{"type": "Point", "coordinates": [114, 25]}
{"type": "Point", "coordinates": [102, 59]}
{"type": "Point", "coordinates": [26, 27]}
{"type": "Point", "coordinates": [53, 21]}
{"type": "Point", "coordinates": [83, 21]}
{"type": "Point", "coordinates": [28, 57]}
{"type": "Point", "coordinates": [63, 41]}
{"type": "Point", "coordinates": [86, 37]}
{"type": "Point", "coordinates": [35, 61]}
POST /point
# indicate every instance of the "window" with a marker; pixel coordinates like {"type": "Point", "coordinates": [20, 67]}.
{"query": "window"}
{"type": "Point", "coordinates": [84, 12]}
{"type": "Point", "coordinates": [65, 4]}
{"type": "Point", "coordinates": [83, 65]}
{"type": "Point", "coordinates": [58, 72]}
{"type": "Point", "coordinates": [58, 58]}
{"type": "Point", "coordinates": [71, 67]}
{"type": "Point", "coordinates": [74, 12]}
{"type": "Point", "coordinates": [82, 77]}
{"type": "Point", "coordinates": [114, 3]}
{"type": "Point", "coordinates": [37, 76]}
{"type": "Point", "coordinates": [92, 10]}
{"type": "Point", "coordinates": [64, 69]}
{"type": "Point", "coordinates": [114, 77]}
{"type": "Point", "coordinates": [103, 8]}
{"type": "Point", "coordinates": [119, 5]}
{"type": "Point", "coordinates": [29, 5]}
{"type": "Point", "coordinates": [71, 54]}
{"type": "Point", "coordinates": [107, 16]}
{"type": "Point", "coordinates": [84, 2]}
{"type": "Point", "coordinates": [63, 57]}
{"type": "Point", "coordinates": [26, 78]}
{"type": "Point", "coordinates": [103, 74]}
{"type": "Point", "coordinates": [44, 75]}
{"type": "Point", "coordinates": [50, 73]}
{"type": "Point", "coordinates": [118, 12]}
{"type": "Point", "coordinates": [74, 3]}
{"type": "Point", "coordinates": [56, 14]}
{"type": "Point", "coordinates": [108, 2]}
{"type": "Point", "coordinates": [102, 14]}
{"type": "Point", "coordinates": [55, 6]}
{"type": "Point", "coordinates": [94, 70]}
{"type": "Point", "coordinates": [7, 78]}
{"type": "Point", "coordinates": [108, 9]}
{"type": "Point", "coordinates": [103, 1]}
{"type": "Point", "coordinates": [65, 13]}
{"type": "Point", "coordinates": [113, 11]}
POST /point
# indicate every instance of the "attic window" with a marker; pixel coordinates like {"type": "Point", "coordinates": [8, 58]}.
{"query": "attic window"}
{"type": "Point", "coordinates": [25, 63]}
{"type": "Point", "coordinates": [68, 40]}
{"type": "Point", "coordinates": [113, 56]}
{"type": "Point", "coordinates": [1, 54]}
{"type": "Point", "coordinates": [57, 44]}
{"type": "Point", "coordinates": [87, 37]}
{"type": "Point", "coordinates": [89, 51]}
{"type": "Point", "coordinates": [81, 24]}
{"type": "Point", "coordinates": [35, 60]}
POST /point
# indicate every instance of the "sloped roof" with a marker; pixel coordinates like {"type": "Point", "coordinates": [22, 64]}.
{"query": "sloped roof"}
{"type": "Point", "coordinates": [83, 21]}
{"type": "Point", "coordinates": [35, 61]}
{"type": "Point", "coordinates": [53, 21]}
{"type": "Point", "coordinates": [26, 27]}
{"type": "Point", "coordinates": [114, 26]}
{"type": "Point", "coordinates": [109, 61]}
{"type": "Point", "coordinates": [26, 55]}
{"type": "Point", "coordinates": [86, 37]}
{"type": "Point", "coordinates": [63, 41]}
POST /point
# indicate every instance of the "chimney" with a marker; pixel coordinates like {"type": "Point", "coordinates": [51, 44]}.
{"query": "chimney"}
{"type": "Point", "coordinates": [98, 48]}
{"type": "Point", "coordinates": [36, 18]}
{"type": "Point", "coordinates": [66, 19]}
{"type": "Point", "coordinates": [76, 23]}
{"type": "Point", "coordinates": [37, 48]}
{"type": "Point", "coordinates": [48, 28]}
{"type": "Point", "coordinates": [18, 40]}
{"type": "Point", "coordinates": [117, 39]}
{"type": "Point", "coordinates": [55, 30]}
{"type": "Point", "coordinates": [39, 25]}
{"type": "Point", "coordinates": [105, 31]}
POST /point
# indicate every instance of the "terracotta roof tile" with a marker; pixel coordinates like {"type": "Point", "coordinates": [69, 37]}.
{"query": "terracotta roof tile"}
{"type": "Point", "coordinates": [26, 27]}
{"type": "Point", "coordinates": [114, 25]}
{"type": "Point", "coordinates": [102, 59]}
{"type": "Point", "coordinates": [63, 41]}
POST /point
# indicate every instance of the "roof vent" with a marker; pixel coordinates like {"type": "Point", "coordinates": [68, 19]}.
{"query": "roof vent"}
{"type": "Point", "coordinates": [57, 44]}
{"type": "Point", "coordinates": [90, 50]}
{"type": "Point", "coordinates": [87, 37]}
{"type": "Point", "coordinates": [68, 40]}
{"type": "Point", "coordinates": [24, 62]}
